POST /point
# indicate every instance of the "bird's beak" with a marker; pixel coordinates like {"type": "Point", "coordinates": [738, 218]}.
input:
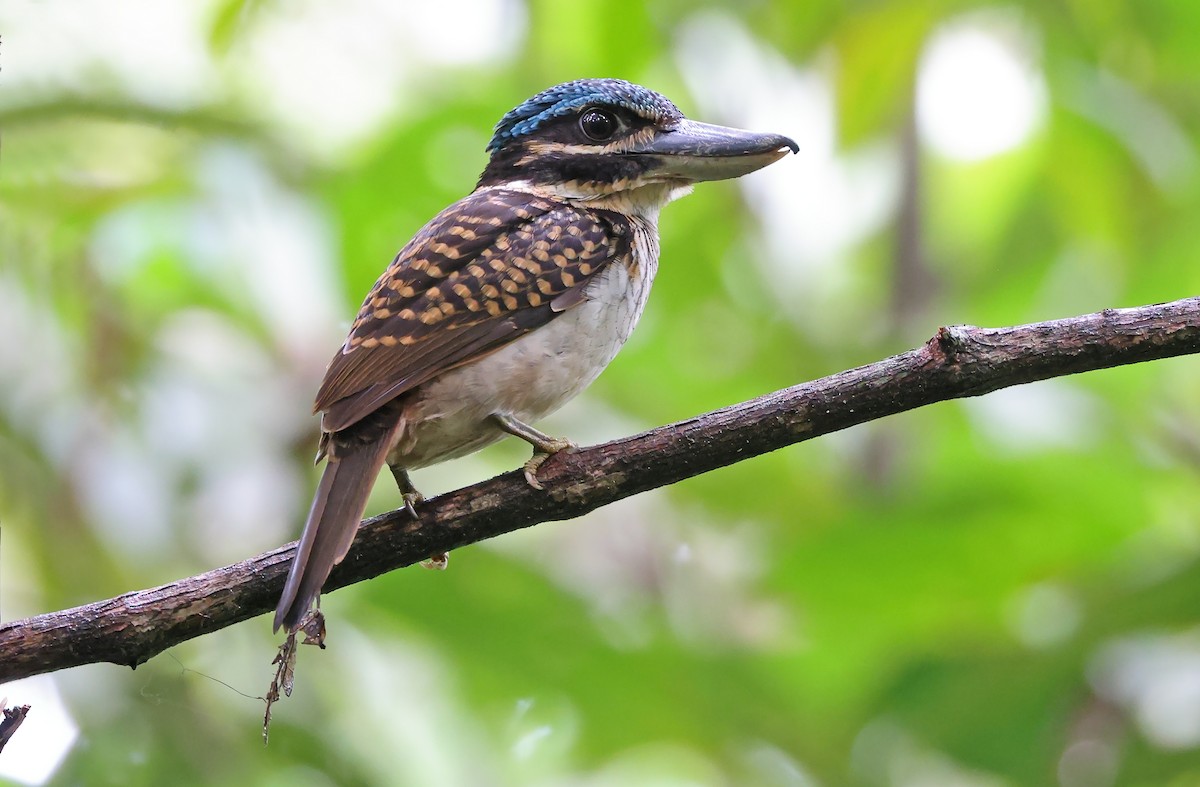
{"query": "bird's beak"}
{"type": "Point", "coordinates": [701, 151]}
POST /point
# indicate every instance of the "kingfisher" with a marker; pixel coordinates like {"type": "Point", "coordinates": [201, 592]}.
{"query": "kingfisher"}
{"type": "Point", "coordinates": [509, 302]}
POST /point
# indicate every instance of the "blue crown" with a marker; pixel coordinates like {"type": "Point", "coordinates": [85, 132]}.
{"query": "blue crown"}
{"type": "Point", "coordinates": [568, 97]}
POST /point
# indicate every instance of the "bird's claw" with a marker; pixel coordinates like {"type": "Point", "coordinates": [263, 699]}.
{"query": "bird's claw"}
{"type": "Point", "coordinates": [411, 501]}
{"type": "Point", "coordinates": [544, 452]}
{"type": "Point", "coordinates": [412, 498]}
{"type": "Point", "coordinates": [544, 446]}
{"type": "Point", "coordinates": [437, 562]}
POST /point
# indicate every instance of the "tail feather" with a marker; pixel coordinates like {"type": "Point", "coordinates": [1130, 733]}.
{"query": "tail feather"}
{"type": "Point", "coordinates": [333, 520]}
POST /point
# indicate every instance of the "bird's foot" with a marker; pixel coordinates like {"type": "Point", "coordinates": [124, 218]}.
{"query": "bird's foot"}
{"type": "Point", "coordinates": [541, 454]}
{"type": "Point", "coordinates": [437, 562]}
{"type": "Point", "coordinates": [412, 497]}
{"type": "Point", "coordinates": [411, 501]}
{"type": "Point", "coordinates": [544, 446]}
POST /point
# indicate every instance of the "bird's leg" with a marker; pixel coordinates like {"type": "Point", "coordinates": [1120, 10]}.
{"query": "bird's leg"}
{"type": "Point", "coordinates": [412, 498]}
{"type": "Point", "coordinates": [544, 446]}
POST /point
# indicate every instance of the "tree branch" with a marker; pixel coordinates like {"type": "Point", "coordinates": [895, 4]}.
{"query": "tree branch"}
{"type": "Point", "coordinates": [957, 362]}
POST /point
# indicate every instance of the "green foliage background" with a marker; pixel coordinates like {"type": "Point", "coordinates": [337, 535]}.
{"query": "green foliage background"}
{"type": "Point", "coordinates": [1003, 591]}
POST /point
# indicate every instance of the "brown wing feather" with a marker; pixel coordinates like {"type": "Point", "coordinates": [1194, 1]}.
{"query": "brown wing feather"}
{"type": "Point", "coordinates": [485, 271]}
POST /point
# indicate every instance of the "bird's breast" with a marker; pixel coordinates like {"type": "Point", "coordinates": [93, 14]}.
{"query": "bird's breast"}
{"type": "Point", "coordinates": [536, 374]}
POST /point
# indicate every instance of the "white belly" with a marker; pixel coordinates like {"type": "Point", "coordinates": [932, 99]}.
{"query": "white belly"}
{"type": "Point", "coordinates": [531, 377]}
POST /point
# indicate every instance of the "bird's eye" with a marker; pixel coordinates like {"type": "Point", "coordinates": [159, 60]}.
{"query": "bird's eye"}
{"type": "Point", "coordinates": [598, 124]}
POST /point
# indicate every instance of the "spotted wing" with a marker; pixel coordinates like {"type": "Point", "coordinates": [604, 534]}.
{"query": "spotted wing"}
{"type": "Point", "coordinates": [487, 270]}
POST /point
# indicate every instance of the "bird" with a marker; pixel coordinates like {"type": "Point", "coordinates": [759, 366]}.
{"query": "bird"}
{"type": "Point", "coordinates": [509, 302]}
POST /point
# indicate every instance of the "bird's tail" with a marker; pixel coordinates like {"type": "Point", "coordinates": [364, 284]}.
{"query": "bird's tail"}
{"type": "Point", "coordinates": [353, 463]}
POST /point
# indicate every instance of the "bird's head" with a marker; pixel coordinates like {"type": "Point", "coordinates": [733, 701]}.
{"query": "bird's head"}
{"type": "Point", "coordinates": [594, 138]}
